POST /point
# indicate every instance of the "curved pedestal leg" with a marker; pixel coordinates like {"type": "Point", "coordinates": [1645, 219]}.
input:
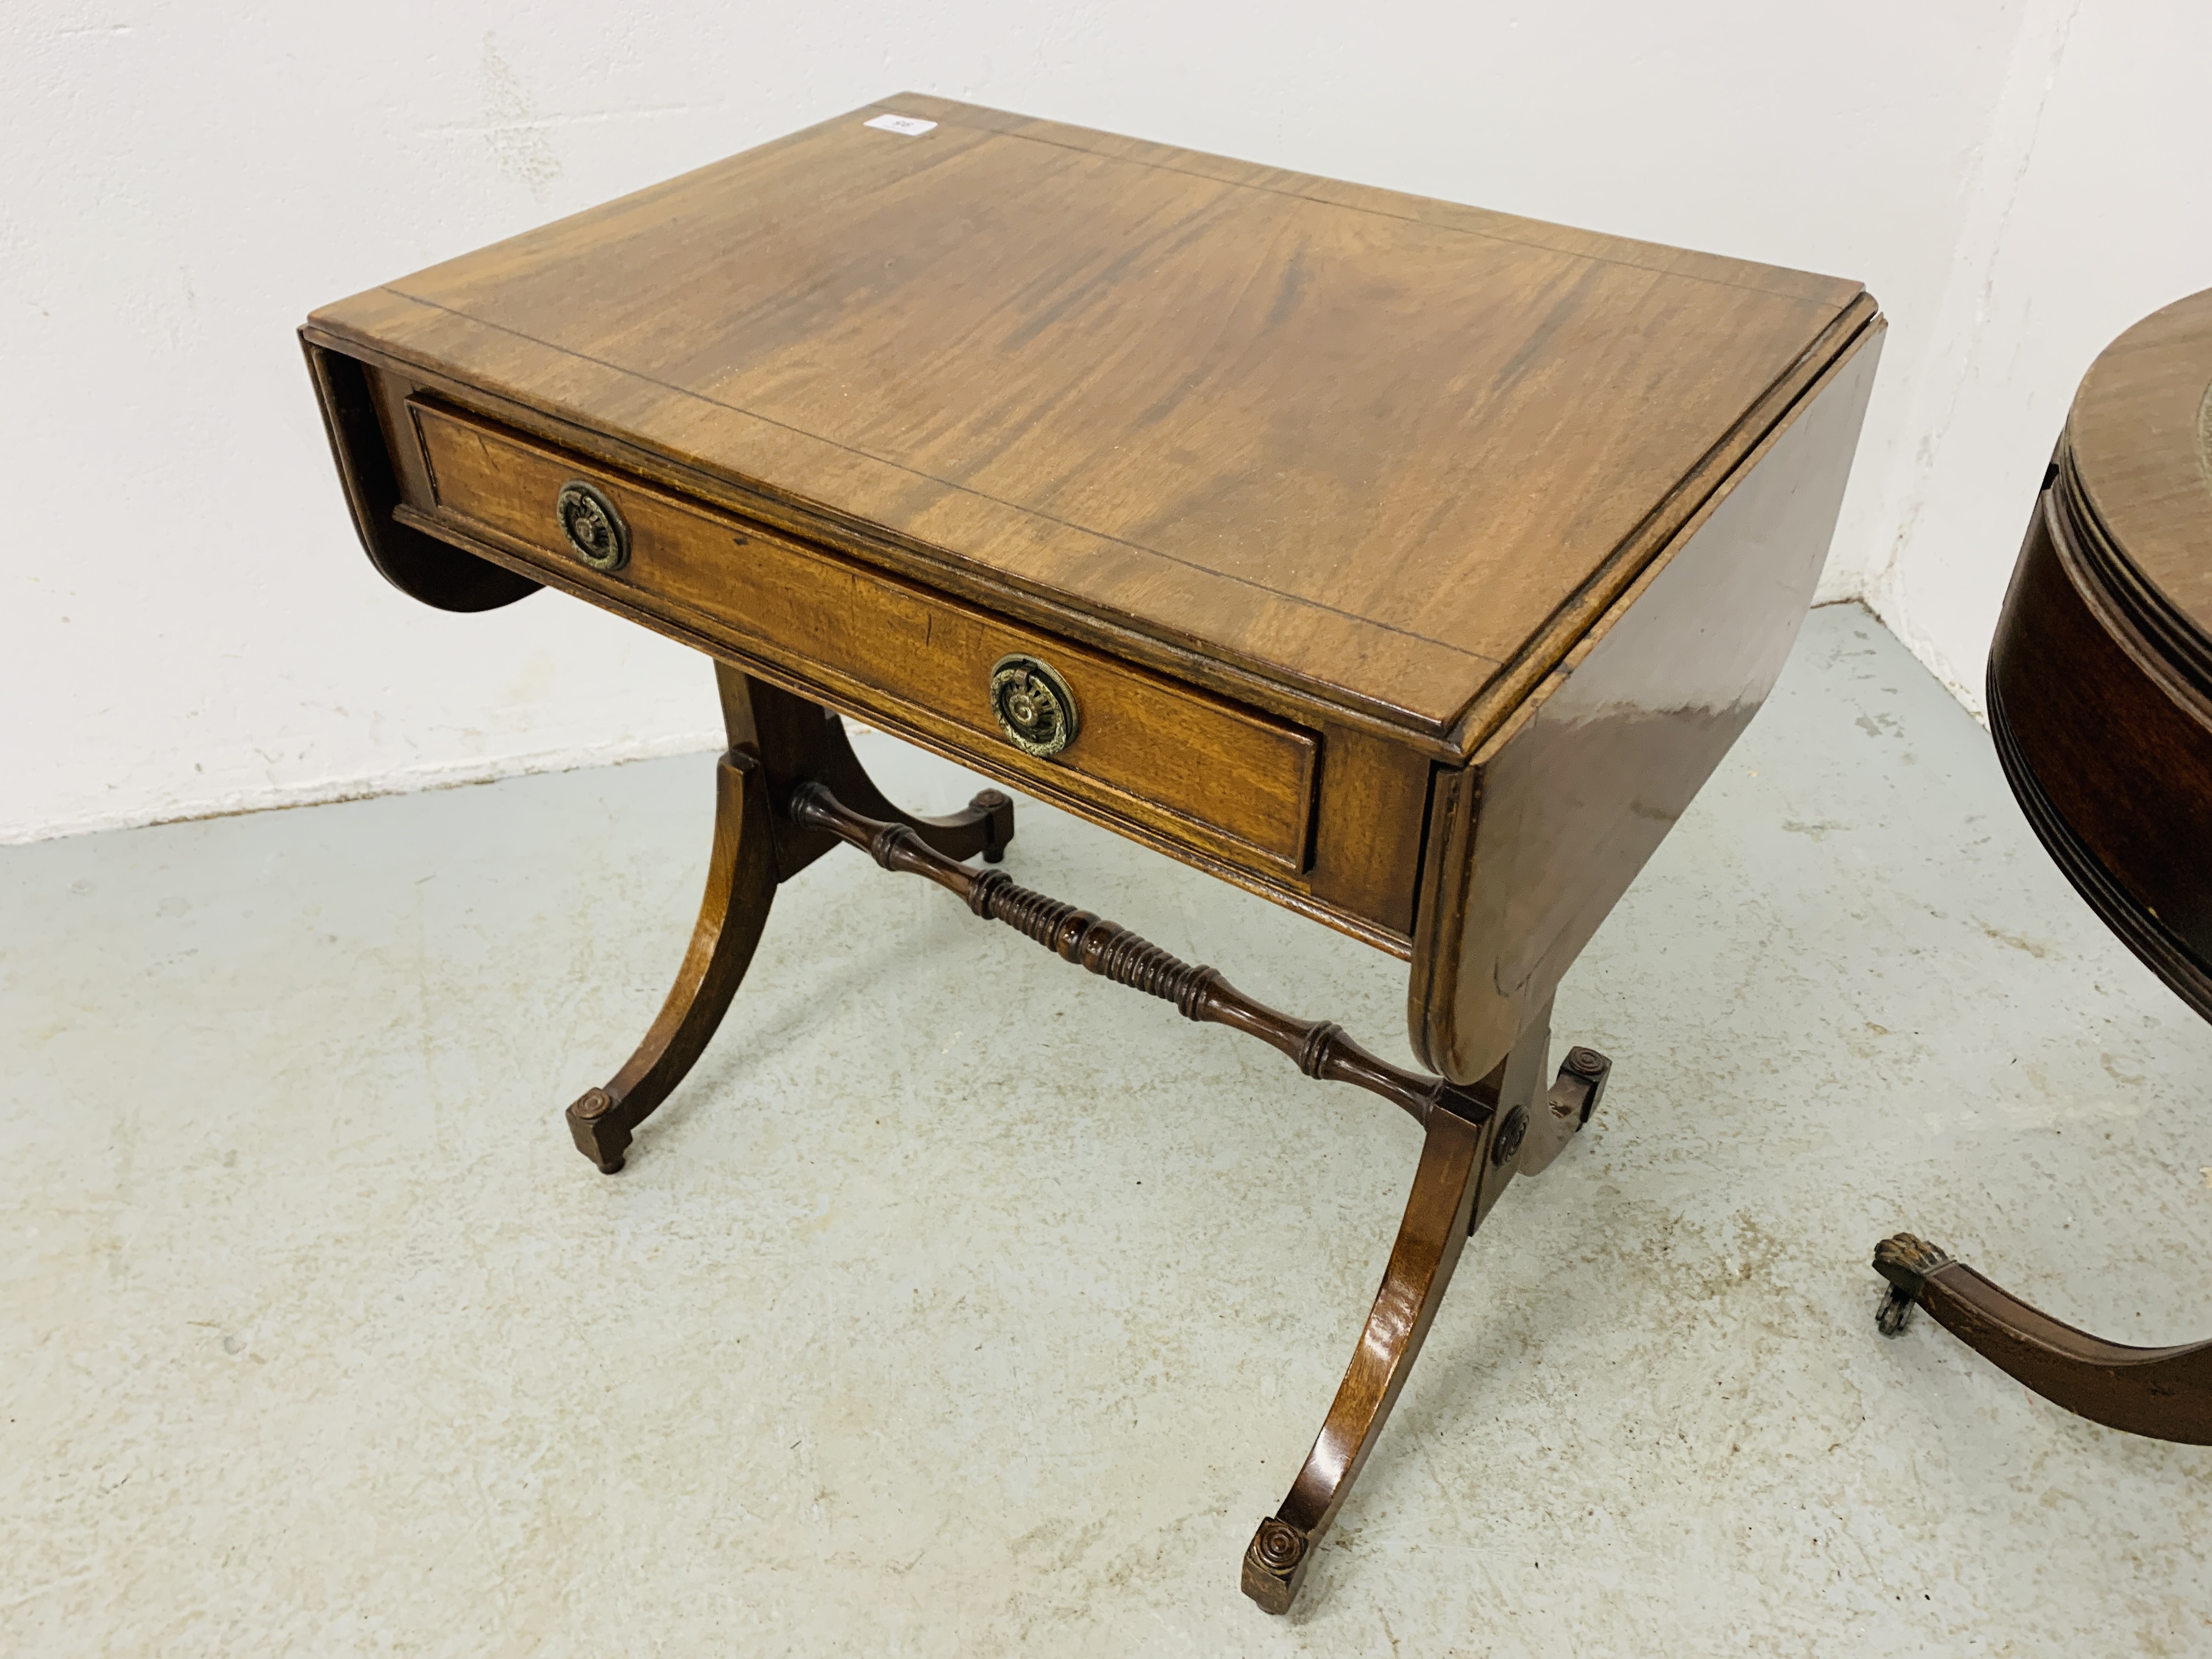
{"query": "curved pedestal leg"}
{"type": "Point", "coordinates": [804, 742]}
{"type": "Point", "coordinates": [778, 742]}
{"type": "Point", "coordinates": [740, 886]}
{"type": "Point", "coordinates": [1466, 1162]}
{"type": "Point", "coordinates": [1478, 1139]}
{"type": "Point", "coordinates": [1439, 1215]}
{"type": "Point", "coordinates": [984, 826]}
{"type": "Point", "coordinates": [2162, 1393]}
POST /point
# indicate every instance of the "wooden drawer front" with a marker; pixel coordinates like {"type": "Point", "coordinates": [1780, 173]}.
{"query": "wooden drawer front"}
{"type": "Point", "coordinates": [921, 659]}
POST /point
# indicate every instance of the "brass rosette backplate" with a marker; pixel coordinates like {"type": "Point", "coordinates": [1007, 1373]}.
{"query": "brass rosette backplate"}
{"type": "Point", "coordinates": [594, 529]}
{"type": "Point", "coordinates": [1034, 707]}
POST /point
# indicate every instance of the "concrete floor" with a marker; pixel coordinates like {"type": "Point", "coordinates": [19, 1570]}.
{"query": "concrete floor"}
{"type": "Point", "coordinates": [963, 1305]}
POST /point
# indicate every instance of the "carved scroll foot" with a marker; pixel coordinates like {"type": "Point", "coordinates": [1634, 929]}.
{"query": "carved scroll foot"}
{"type": "Point", "coordinates": [1465, 1164]}
{"type": "Point", "coordinates": [1275, 1562]}
{"type": "Point", "coordinates": [740, 885]}
{"type": "Point", "coordinates": [2165, 1394]}
{"type": "Point", "coordinates": [599, 1130]}
{"type": "Point", "coordinates": [1438, 1214]}
{"type": "Point", "coordinates": [1557, 1118]}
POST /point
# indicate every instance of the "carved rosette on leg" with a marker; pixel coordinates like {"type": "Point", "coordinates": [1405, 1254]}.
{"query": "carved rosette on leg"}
{"type": "Point", "coordinates": [600, 1138]}
{"type": "Point", "coordinates": [1275, 1565]}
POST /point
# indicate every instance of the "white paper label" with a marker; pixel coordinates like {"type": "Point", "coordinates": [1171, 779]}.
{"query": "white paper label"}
{"type": "Point", "coordinates": [905, 123]}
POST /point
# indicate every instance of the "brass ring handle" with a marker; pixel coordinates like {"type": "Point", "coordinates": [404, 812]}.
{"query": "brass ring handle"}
{"type": "Point", "coordinates": [1034, 707]}
{"type": "Point", "coordinates": [594, 529]}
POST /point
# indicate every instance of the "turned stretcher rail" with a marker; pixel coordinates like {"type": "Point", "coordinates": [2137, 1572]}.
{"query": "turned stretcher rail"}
{"type": "Point", "coordinates": [1112, 952]}
{"type": "Point", "coordinates": [1477, 1139]}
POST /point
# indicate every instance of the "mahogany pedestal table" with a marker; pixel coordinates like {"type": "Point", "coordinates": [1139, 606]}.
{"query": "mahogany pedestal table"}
{"type": "Point", "coordinates": [2100, 704]}
{"type": "Point", "coordinates": [1408, 564]}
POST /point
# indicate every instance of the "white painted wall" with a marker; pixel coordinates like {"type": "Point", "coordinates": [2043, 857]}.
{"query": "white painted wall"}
{"type": "Point", "coordinates": [187, 625]}
{"type": "Point", "coordinates": [2090, 206]}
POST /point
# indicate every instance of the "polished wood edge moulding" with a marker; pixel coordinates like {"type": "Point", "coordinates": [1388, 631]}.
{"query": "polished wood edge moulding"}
{"type": "Point", "coordinates": [800, 517]}
{"type": "Point", "coordinates": [413, 549]}
{"type": "Point", "coordinates": [2158, 947]}
{"type": "Point", "coordinates": [1578, 753]}
{"type": "Point", "coordinates": [1671, 523]}
{"type": "Point", "coordinates": [2164, 642]}
{"type": "Point", "coordinates": [2059, 603]}
{"type": "Point", "coordinates": [1670, 519]}
{"type": "Point", "coordinates": [1242, 782]}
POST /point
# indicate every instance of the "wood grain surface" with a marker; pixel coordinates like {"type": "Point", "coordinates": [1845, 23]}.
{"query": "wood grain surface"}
{"type": "Point", "coordinates": [2140, 440]}
{"type": "Point", "coordinates": [1414, 564]}
{"type": "Point", "coordinates": [1391, 454]}
{"type": "Point", "coordinates": [2100, 673]}
{"type": "Point", "coordinates": [907, 653]}
{"type": "Point", "coordinates": [2107, 743]}
{"type": "Point", "coordinates": [1532, 845]}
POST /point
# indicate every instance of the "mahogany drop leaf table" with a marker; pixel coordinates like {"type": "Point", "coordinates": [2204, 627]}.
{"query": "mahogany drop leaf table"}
{"type": "Point", "coordinates": [1408, 564]}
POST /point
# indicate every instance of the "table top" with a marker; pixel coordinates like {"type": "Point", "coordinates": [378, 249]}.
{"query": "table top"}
{"type": "Point", "coordinates": [2140, 438]}
{"type": "Point", "coordinates": [1390, 452]}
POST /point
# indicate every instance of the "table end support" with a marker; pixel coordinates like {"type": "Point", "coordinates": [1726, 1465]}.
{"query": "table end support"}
{"type": "Point", "coordinates": [1477, 1138]}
